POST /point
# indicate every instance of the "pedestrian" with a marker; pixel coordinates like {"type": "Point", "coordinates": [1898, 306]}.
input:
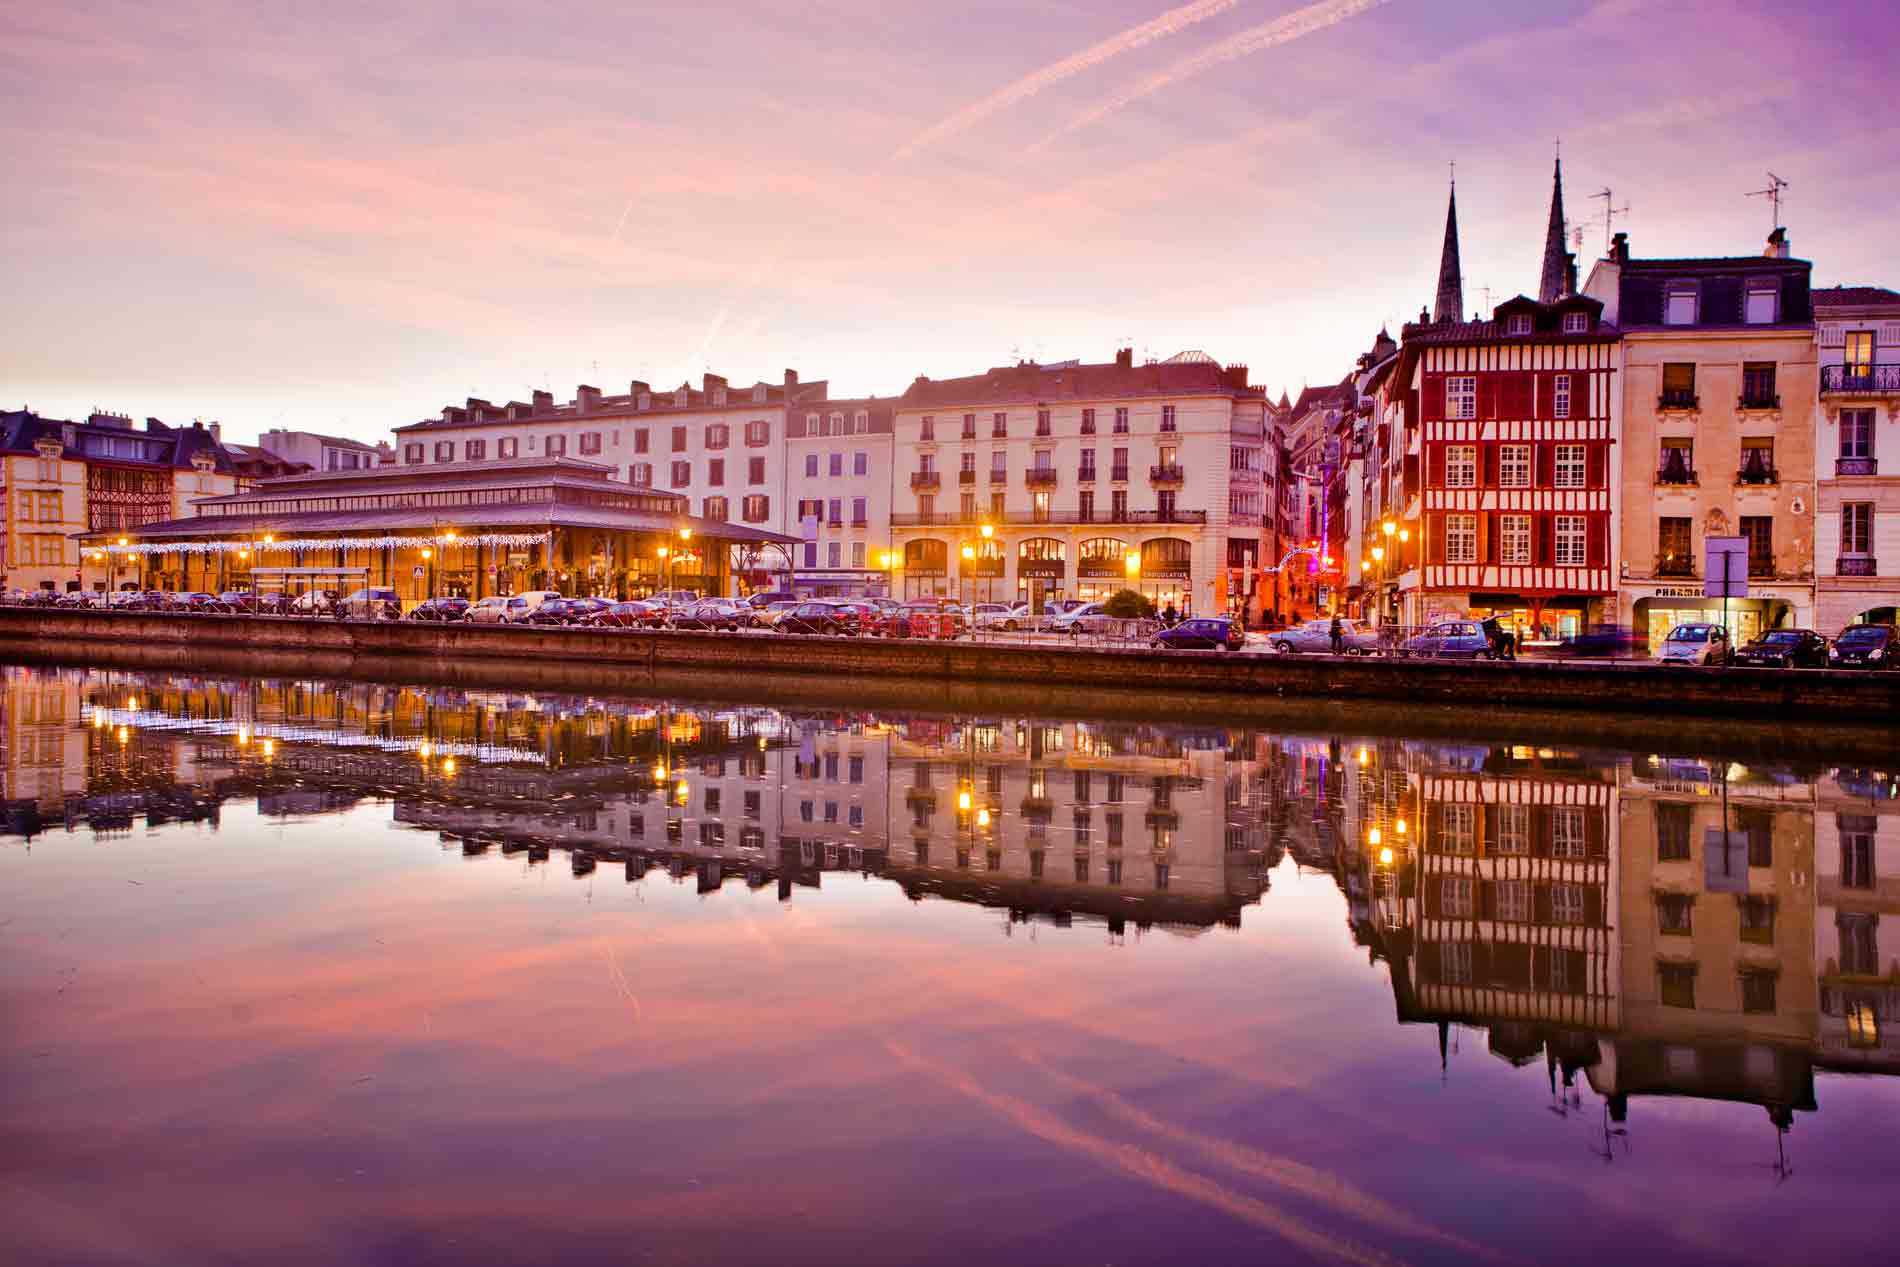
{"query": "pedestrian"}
{"type": "Point", "coordinates": [1168, 615]}
{"type": "Point", "coordinates": [1339, 635]}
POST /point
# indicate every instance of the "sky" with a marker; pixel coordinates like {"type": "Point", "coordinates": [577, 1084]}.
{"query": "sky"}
{"type": "Point", "coordinates": [342, 216]}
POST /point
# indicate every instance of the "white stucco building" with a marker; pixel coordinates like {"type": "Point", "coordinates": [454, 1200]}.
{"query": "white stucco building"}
{"type": "Point", "coordinates": [1857, 456]}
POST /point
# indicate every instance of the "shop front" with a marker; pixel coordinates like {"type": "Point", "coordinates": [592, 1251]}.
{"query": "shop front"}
{"type": "Point", "coordinates": [1653, 610]}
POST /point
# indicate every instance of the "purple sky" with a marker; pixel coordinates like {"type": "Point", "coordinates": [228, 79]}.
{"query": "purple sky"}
{"type": "Point", "coordinates": [341, 216]}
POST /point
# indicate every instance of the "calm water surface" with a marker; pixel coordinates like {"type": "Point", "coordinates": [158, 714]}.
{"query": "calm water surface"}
{"type": "Point", "coordinates": [306, 972]}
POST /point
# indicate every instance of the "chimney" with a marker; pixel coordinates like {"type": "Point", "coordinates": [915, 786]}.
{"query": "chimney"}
{"type": "Point", "coordinates": [713, 383]}
{"type": "Point", "coordinates": [1620, 248]}
{"type": "Point", "coordinates": [1777, 245]}
{"type": "Point", "coordinates": [586, 399]}
{"type": "Point", "coordinates": [217, 431]}
{"type": "Point", "coordinates": [1237, 376]}
{"type": "Point", "coordinates": [543, 402]}
{"type": "Point", "coordinates": [791, 384]}
{"type": "Point", "coordinates": [119, 422]}
{"type": "Point", "coordinates": [1125, 358]}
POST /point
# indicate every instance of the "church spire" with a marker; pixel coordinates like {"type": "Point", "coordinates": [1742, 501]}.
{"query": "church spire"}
{"type": "Point", "coordinates": [1451, 281]}
{"type": "Point", "coordinates": [1552, 285]}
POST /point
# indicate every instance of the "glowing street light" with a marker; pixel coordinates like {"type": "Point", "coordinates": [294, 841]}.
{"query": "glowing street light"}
{"type": "Point", "coordinates": [1378, 554]}
{"type": "Point", "coordinates": [963, 801]}
{"type": "Point", "coordinates": [1132, 563]}
{"type": "Point", "coordinates": [1388, 527]}
{"type": "Point", "coordinates": [1385, 857]}
{"type": "Point", "coordinates": [1374, 836]}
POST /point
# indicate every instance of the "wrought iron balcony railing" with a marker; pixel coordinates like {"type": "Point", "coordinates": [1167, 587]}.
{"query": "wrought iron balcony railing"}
{"type": "Point", "coordinates": [1166, 473]}
{"type": "Point", "coordinates": [1039, 477]}
{"type": "Point", "coordinates": [1856, 565]}
{"type": "Point", "coordinates": [1864, 379]}
{"type": "Point", "coordinates": [1856, 466]}
{"type": "Point", "coordinates": [925, 479]}
{"type": "Point", "coordinates": [1678, 400]}
{"type": "Point", "coordinates": [1056, 515]}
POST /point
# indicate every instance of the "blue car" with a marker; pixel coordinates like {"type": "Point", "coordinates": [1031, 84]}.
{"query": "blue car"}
{"type": "Point", "coordinates": [1450, 640]}
{"type": "Point", "coordinates": [1204, 633]}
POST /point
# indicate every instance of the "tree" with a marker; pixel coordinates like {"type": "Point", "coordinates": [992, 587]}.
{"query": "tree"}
{"type": "Point", "coordinates": [1128, 605]}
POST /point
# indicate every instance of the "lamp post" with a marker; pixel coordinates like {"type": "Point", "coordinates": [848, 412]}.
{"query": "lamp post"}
{"type": "Point", "coordinates": [969, 561]}
{"type": "Point", "coordinates": [666, 568]}
{"type": "Point", "coordinates": [887, 560]}
{"type": "Point", "coordinates": [428, 557]}
{"type": "Point", "coordinates": [986, 531]}
{"type": "Point", "coordinates": [686, 534]}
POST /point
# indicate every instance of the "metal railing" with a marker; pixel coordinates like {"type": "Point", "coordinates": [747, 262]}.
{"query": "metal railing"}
{"type": "Point", "coordinates": [1678, 400]}
{"type": "Point", "coordinates": [925, 479]}
{"type": "Point", "coordinates": [1860, 378]}
{"type": "Point", "coordinates": [1166, 473]}
{"type": "Point", "coordinates": [955, 518]}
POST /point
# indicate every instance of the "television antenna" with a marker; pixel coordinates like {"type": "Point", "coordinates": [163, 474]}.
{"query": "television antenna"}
{"type": "Point", "coordinates": [1610, 212]}
{"type": "Point", "coordinates": [1774, 196]}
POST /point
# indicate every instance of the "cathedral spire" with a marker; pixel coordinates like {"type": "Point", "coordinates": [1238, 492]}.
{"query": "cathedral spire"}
{"type": "Point", "coordinates": [1451, 281]}
{"type": "Point", "coordinates": [1552, 285]}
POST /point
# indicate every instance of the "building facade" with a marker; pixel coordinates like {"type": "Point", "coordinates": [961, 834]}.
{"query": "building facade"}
{"type": "Point", "coordinates": [324, 453]}
{"type": "Point", "coordinates": [1717, 438]}
{"type": "Point", "coordinates": [838, 473]}
{"type": "Point", "coordinates": [1857, 450]}
{"type": "Point", "coordinates": [1089, 479]}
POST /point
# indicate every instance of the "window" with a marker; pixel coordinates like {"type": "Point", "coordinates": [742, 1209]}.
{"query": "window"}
{"type": "Point", "coordinates": [1167, 417]}
{"type": "Point", "coordinates": [1518, 323]}
{"type": "Point", "coordinates": [1454, 962]}
{"type": "Point", "coordinates": [1576, 323]}
{"type": "Point", "coordinates": [1758, 385]}
{"type": "Point", "coordinates": [969, 426]}
{"type": "Point", "coordinates": [999, 466]}
{"type": "Point", "coordinates": [1088, 422]}
{"type": "Point", "coordinates": [1758, 993]}
{"type": "Point", "coordinates": [859, 512]}
{"type": "Point", "coordinates": [1121, 421]}
{"type": "Point", "coordinates": [756, 509]}
{"type": "Point", "coordinates": [1678, 385]}
{"type": "Point", "coordinates": [1457, 827]}
{"type": "Point", "coordinates": [1514, 901]}
{"type": "Point", "coordinates": [1675, 463]}
{"type": "Point", "coordinates": [1560, 396]}
{"type": "Point", "coordinates": [640, 440]}
{"type": "Point", "coordinates": [1673, 822]}
{"type": "Point", "coordinates": [1514, 828]}
{"type": "Point", "coordinates": [474, 450]}
{"type": "Point", "coordinates": [1454, 896]}
{"type": "Point", "coordinates": [1675, 913]}
{"type": "Point", "coordinates": [1858, 353]}
{"type": "Point", "coordinates": [1679, 304]}
{"type": "Point", "coordinates": [718, 435]}
{"type": "Point", "coordinates": [1857, 833]}
{"type": "Point", "coordinates": [834, 511]}
{"type": "Point", "coordinates": [717, 508]}
{"type": "Point", "coordinates": [755, 470]}
{"type": "Point", "coordinates": [1857, 433]}
{"type": "Point", "coordinates": [1857, 528]}
{"type": "Point", "coordinates": [1086, 471]}
{"type": "Point", "coordinates": [857, 561]}
{"type": "Point", "coordinates": [555, 447]}
{"type": "Point", "coordinates": [1085, 505]}
{"type": "Point", "coordinates": [1571, 541]}
{"type": "Point", "coordinates": [1759, 532]}
{"type": "Point", "coordinates": [1514, 540]}
{"type": "Point", "coordinates": [1566, 904]}
{"type": "Point", "coordinates": [590, 442]}
{"type": "Point", "coordinates": [1514, 466]}
{"type": "Point", "coordinates": [1764, 301]}
{"type": "Point", "coordinates": [834, 554]}
{"type": "Point", "coordinates": [999, 425]}
{"type": "Point", "coordinates": [1758, 460]}
{"type": "Point", "coordinates": [836, 465]}
{"type": "Point", "coordinates": [1572, 467]}
{"type": "Point", "coordinates": [1673, 555]}
{"type": "Point", "coordinates": [682, 474]}
{"type": "Point", "coordinates": [1461, 396]}
{"type": "Point", "coordinates": [679, 439]}
{"type": "Point", "coordinates": [1675, 982]}
{"type": "Point", "coordinates": [811, 466]}
{"type": "Point", "coordinates": [1042, 422]}
{"type": "Point", "coordinates": [1461, 466]}
{"type": "Point", "coordinates": [1758, 920]}
{"type": "Point", "coordinates": [445, 450]}
{"type": "Point", "coordinates": [508, 447]}
{"type": "Point", "coordinates": [758, 432]}
{"type": "Point", "coordinates": [860, 463]}
{"type": "Point", "coordinates": [1567, 838]}
{"type": "Point", "coordinates": [834, 424]}
{"type": "Point", "coordinates": [1461, 538]}
{"type": "Point", "coordinates": [1118, 505]}
{"type": "Point", "coordinates": [716, 471]}
{"type": "Point", "coordinates": [860, 422]}
{"type": "Point", "coordinates": [640, 474]}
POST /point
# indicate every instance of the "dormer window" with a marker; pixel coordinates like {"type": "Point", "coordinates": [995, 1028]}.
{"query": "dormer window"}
{"type": "Point", "coordinates": [645, 401]}
{"type": "Point", "coordinates": [682, 397]}
{"type": "Point", "coordinates": [1576, 323]}
{"type": "Point", "coordinates": [1679, 304]}
{"type": "Point", "coordinates": [758, 394]}
{"type": "Point", "coordinates": [1518, 323]}
{"type": "Point", "coordinates": [719, 396]}
{"type": "Point", "coordinates": [1763, 305]}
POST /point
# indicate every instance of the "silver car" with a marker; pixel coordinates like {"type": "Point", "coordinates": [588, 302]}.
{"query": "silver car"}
{"type": "Point", "coordinates": [1316, 637]}
{"type": "Point", "coordinates": [1695, 642]}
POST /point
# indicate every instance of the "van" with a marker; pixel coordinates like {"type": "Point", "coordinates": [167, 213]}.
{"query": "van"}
{"type": "Point", "coordinates": [522, 605]}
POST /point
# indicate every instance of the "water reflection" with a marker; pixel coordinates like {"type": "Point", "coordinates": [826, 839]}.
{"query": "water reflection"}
{"type": "Point", "coordinates": [1640, 925]}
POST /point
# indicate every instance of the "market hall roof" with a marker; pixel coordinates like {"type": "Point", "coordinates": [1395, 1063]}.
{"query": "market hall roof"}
{"type": "Point", "coordinates": [532, 495]}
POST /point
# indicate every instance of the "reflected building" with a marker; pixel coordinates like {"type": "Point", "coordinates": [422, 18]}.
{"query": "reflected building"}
{"type": "Point", "coordinates": [1857, 919]}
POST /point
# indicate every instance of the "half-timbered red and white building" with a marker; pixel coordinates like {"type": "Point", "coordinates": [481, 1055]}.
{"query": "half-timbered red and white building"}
{"type": "Point", "coordinates": [1514, 419]}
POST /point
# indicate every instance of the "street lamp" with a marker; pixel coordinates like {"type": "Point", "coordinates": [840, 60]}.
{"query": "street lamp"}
{"type": "Point", "coordinates": [887, 560]}
{"type": "Point", "coordinates": [428, 557]}
{"type": "Point", "coordinates": [665, 567]}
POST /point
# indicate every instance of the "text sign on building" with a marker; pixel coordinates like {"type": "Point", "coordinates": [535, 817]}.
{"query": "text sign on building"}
{"type": "Point", "coordinates": [1725, 567]}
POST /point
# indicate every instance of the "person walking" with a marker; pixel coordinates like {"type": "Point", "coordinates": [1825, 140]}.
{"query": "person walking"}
{"type": "Point", "coordinates": [1339, 635]}
{"type": "Point", "coordinates": [1168, 616]}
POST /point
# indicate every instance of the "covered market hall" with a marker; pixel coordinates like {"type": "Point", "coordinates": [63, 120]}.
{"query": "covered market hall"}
{"type": "Point", "coordinates": [470, 529]}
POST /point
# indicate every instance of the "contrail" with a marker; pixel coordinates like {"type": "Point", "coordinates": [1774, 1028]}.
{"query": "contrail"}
{"type": "Point", "coordinates": [1134, 37]}
{"type": "Point", "coordinates": [1282, 30]}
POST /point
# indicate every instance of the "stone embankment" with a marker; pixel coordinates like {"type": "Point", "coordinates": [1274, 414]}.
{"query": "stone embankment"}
{"type": "Point", "coordinates": [629, 660]}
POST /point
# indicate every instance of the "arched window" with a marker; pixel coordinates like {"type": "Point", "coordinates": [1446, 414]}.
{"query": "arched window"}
{"type": "Point", "coordinates": [927, 557]}
{"type": "Point", "coordinates": [988, 560]}
{"type": "Point", "coordinates": [1167, 557]}
{"type": "Point", "coordinates": [1101, 557]}
{"type": "Point", "coordinates": [1039, 556]}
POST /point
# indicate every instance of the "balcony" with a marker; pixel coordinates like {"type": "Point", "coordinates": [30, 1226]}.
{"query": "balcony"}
{"type": "Point", "coordinates": [921, 797]}
{"type": "Point", "coordinates": [1758, 401]}
{"type": "Point", "coordinates": [1757, 473]}
{"type": "Point", "coordinates": [925, 480]}
{"type": "Point", "coordinates": [1039, 477]}
{"type": "Point", "coordinates": [1056, 515]}
{"type": "Point", "coordinates": [966, 477]}
{"type": "Point", "coordinates": [1118, 474]}
{"type": "Point", "coordinates": [1085, 475]}
{"type": "Point", "coordinates": [1167, 473]}
{"type": "Point", "coordinates": [1860, 380]}
{"type": "Point", "coordinates": [1856, 565]}
{"type": "Point", "coordinates": [1164, 819]}
{"type": "Point", "coordinates": [1683, 567]}
{"type": "Point", "coordinates": [1676, 475]}
{"type": "Point", "coordinates": [1678, 401]}
{"type": "Point", "coordinates": [1856, 466]}
{"type": "Point", "coordinates": [1038, 808]}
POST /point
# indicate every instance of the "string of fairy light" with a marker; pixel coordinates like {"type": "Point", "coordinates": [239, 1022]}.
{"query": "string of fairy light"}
{"type": "Point", "coordinates": [244, 548]}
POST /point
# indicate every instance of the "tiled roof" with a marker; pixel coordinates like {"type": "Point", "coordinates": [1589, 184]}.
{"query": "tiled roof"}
{"type": "Point", "coordinates": [1027, 383]}
{"type": "Point", "coordinates": [1852, 296]}
{"type": "Point", "coordinates": [660, 402]}
{"type": "Point", "coordinates": [20, 428]}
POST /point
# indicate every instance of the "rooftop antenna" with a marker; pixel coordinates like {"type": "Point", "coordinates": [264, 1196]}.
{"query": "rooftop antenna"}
{"type": "Point", "coordinates": [1610, 212]}
{"type": "Point", "coordinates": [1774, 195]}
{"type": "Point", "coordinates": [1488, 306]}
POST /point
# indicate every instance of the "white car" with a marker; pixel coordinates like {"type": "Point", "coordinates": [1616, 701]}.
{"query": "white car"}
{"type": "Point", "coordinates": [521, 606]}
{"type": "Point", "coordinates": [1695, 642]}
{"type": "Point", "coordinates": [1073, 621]}
{"type": "Point", "coordinates": [373, 604]}
{"type": "Point", "coordinates": [492, 610]}
{"type": "Point", "coordinates": [992, 616]}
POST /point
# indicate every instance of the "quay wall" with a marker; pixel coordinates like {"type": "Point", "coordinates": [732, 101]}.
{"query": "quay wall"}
{"type": "Point", "coordinates": [630, 659]}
